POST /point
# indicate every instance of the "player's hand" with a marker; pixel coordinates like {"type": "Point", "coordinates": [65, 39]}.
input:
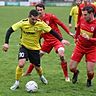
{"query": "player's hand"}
{"type": "Point", "coordinates": [5, 47]}
{"type": "Point", "coordinates": [70, 25]}
{"type": "Point", "coordinates": [85, 36]}
{"type": "Point", "coordinates": [75, 40]}
{"type": "Point", "coordinates": [71, 34]}
{"type": "Point", "coordinates": [65, 42]}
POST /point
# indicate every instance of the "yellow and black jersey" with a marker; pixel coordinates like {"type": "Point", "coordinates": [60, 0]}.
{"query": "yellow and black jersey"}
{"type": "Point", "coordinates": [30, 34]}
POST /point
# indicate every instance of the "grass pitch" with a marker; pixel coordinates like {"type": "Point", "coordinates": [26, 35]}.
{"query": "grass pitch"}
{"type": "Point", "coordinates": [50, 62]}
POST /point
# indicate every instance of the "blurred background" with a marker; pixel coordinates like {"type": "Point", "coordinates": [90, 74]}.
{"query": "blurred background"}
{"type": "Point", "coordinates": [33, 2]}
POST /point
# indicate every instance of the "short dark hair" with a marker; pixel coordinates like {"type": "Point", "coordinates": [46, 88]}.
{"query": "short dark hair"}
{"type": "Point", "coordinates": [89, 9]}
{"type": "Point", "coordinates": [40, 5]}
{"type": "Point", "coordinates": [33, 12]}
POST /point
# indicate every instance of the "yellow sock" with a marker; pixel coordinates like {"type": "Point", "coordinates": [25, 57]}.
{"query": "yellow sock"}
{"type": "Point", "coordinates": [19, 72]}
{"type": "Point", "coordinates": [39, 70]}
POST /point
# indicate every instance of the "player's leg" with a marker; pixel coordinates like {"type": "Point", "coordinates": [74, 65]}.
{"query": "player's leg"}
{"type": "Point", "coordinates": [59, 48]}
{"type": "Point", "coordinates": [40, 72]}
{"type": "Point", "coordinates": [44, 49]}
{"type": "Point", "coordinates": [63, 63]}
{"type": "Point", "coordinates": [74, 70]}
{"type": "Point", "coordinates": [19, 69]}
{"type": "Point", "coordinates": [29, 70]}
{"type": "Point", "coordinates": [90, 72]}
{"type": "Point", "coordinates": [75, 59]}
{"type": "Point", "coordinates": [34, 58]}
{"type": "Point", "coordinates": [91, 60]}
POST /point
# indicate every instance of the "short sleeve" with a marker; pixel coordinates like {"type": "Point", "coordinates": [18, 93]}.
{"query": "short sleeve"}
{"type": "Point", "coordinates": [17, 25]}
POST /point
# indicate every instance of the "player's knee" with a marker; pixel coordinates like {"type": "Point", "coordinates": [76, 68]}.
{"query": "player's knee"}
{"type": "Point", "coordinates": [73, 65]}
{"type": "Point", "coordinates": [72, 69]}
{"type": "Point", "coordinates": [21, 63]}
{"type": "Point", "coordinates": [90, 72]}
{"type": "Point", "coordinates": [90, 75]}
{"type": "Point", "coordinates": [61, 51]}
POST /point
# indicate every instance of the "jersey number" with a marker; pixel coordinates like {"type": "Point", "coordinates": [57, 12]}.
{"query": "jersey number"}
{"type": "Point", "coordinates": [21, 54]}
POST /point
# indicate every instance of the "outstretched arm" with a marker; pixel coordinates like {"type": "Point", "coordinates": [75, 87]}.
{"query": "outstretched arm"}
{"type": "Point", "coordinates": [55, 34]}
{"type": "Point", "coordinates": [62, 25]}
{"type": "Point", "coordinates": [8, 34]}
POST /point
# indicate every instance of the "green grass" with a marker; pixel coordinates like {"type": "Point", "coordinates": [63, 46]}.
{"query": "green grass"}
{"type": "Point", "coordinates": [50, 63]}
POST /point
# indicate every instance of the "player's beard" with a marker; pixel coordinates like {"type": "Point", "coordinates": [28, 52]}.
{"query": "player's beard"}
{"type": "Point", "coordinates": [88, 19]}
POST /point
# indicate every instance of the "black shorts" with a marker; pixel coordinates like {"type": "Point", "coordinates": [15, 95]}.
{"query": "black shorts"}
{"type": "Point", "coordinates": [32, 55]}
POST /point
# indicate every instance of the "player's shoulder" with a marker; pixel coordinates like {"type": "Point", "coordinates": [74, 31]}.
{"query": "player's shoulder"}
{"type": "Point", "coordinates": [74, 8]}
{"type": "Point", "coordinates": [24, 20]}
{"type": "Point", "coordinates": [21, 22]}
{"type": "Point", "coordinates": [94, 20]}
{"type": "Point", "coordinates": [82, 19]}
{"type": "Point", "coordinates": [39, 21]}
{"type": "Point", "coordinates": [81, 5]}
{"type": "Point", "coordinates": [49, 14]}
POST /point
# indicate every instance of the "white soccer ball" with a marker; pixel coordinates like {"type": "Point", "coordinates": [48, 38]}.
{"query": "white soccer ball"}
{"type": "Point", "coordinates": [31, 86]}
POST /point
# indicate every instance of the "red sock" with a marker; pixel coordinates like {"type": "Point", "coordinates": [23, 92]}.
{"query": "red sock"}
{"type": "Point", "coordinates": [30, 68]}
{"type": "Point", "coordinates": [64, 68]}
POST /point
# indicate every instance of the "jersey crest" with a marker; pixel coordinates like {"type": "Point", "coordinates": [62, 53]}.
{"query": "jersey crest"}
{"type": "Point", "coordinates": [92, 28]}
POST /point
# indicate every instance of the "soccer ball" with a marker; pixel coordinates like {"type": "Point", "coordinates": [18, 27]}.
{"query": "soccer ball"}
{"type": "Point", "coordinates": [31, 86]}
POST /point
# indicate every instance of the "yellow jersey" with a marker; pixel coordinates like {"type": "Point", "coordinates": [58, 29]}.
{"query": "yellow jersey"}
{"type": "Point", "coordinates": [74, 14]}
{"type": "Point", "coordinates": [30, 34]}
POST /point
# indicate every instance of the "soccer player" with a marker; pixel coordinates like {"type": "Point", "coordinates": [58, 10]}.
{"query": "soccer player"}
{"type": "Point", "coordinates": [85, 45]}
{"type": "Point", "coordinates": [31, 29]}
{"type": "Point", "coordinates": [82, 5]}
{"type": "Point", "coordinates": [74, 14]}
{"type": "Point", "coordinates": [49, 41]}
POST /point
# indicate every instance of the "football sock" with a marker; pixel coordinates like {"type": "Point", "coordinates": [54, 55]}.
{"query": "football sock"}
{"type": "Point", "coordinates": [30, 68]}
{"type": "Point", "coordinates": [64, 68]}
{"type": "Point", "coordinates": [19, 72]}
{"type": "Point", "coordinates": [74, 70]}
{"type": "Point", "coordinates": [75, 76]}
{"type": "Point", "coordinates": [90, 76]}
{"type": "Point", "coordinates": [39, 71]}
